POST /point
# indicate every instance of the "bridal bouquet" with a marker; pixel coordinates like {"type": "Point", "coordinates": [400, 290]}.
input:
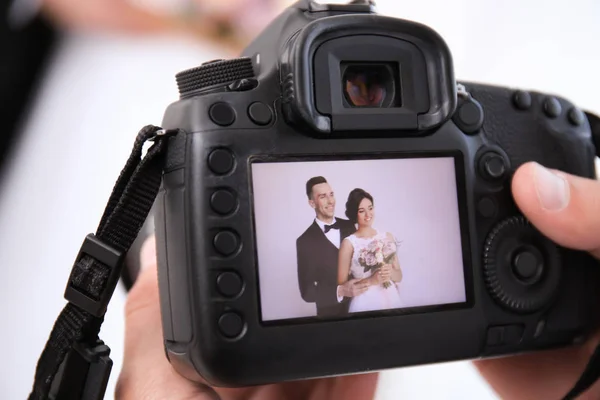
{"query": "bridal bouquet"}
{"type": "Point", "coordinates": [378, 253]}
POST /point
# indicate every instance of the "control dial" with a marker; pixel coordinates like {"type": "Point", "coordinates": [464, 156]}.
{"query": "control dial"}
{"type": "Point", "coordinates": [215, 73]}
{"type": "Point", "coordinates": [522, 268]}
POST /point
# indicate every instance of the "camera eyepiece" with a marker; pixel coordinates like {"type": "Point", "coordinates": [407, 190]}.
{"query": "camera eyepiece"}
{"type": "Point", "coordinates": [370, 85]}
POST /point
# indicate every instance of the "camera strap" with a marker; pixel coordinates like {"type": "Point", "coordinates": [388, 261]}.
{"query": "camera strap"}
{"type": "Point", "coordinates": [75, 363]}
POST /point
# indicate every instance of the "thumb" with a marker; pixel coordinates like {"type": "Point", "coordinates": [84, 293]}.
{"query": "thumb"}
{"type": "Point", "coordinates": [564, 207]}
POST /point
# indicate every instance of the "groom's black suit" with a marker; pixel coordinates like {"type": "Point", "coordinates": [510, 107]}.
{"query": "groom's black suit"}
{"type": "Point", "coordinates": [318, 268]}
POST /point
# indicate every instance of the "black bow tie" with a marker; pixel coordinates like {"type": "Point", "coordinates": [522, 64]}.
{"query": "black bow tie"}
{"type": "Point", "coordinates": [329, 227]}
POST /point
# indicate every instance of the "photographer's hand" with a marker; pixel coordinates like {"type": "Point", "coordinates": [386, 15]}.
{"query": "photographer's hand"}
{"type": "Point", "coordinates": [147, 374]}
{"type": "Point", "coordinates": [566, 209]}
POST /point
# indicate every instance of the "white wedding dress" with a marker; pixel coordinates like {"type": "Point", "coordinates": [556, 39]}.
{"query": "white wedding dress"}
{"type": "Point", "coordinates": [376, 297]}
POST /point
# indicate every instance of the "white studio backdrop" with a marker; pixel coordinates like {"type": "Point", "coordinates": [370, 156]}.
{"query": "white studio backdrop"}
{"type": "Point", "coordinates": [101, 90]}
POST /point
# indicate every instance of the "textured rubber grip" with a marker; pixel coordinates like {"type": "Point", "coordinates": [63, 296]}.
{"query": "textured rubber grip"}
{"type": "Point", "coordinates": [219, 72]}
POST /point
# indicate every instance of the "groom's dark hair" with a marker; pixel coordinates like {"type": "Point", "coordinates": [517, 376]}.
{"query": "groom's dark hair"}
{"type": "Point", "coordinates": [312, 182]}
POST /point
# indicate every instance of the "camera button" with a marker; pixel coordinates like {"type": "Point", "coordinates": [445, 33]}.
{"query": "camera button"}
{"type": "Point", "coordinates": [220, 161]}
{"type": "Point", "coordinates": [576, 116]}
{"type": "Point", "coordinates": [229, 284]}
{"type": "Point", "coordinates": [493, 166]}
{"type": "Point", "coordinates": [522, 100]}
{"type": "Point", "coordinates": [231, 324]}
{"type": "Point", "coordinates": [552, 107]}
{"type": "Point", "coordinates": [260, 113]}
{"type": "Point", "coordinates": [469, 117]}
{"type": "Point", "coordinates": [223, 201]}
{"type": "Point", "coordinates": [222, 114]}
{"type": "Point", "coordinates": [504, 335]}
{"type": "Point", "coordinates": [526, 264]}
{"type": "Point", "coordinates": [226, 243]}
{"type": "Point", "coordinates": [487, 207]}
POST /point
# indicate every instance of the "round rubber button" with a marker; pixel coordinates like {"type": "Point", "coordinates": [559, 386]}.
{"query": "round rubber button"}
{"type": "Point", "coordinates": [222, 114]}
{"type": "Point", "coordinates": [469, 117]}
{"type": "Point", "coordinates": [231, 324]}
{"type": "Point", "coordinates": [229, 284]}
{"type": "Point", "coordinates": [487, 207]}
{"type": "Point", "coordinates": [576, 116]}
{"type": "Point", "coordinates": [223, 201]}
{"type": "Point", "coordinates": [525, 264]}
{"type": "Point", "coordinates": [522, 100]}
{"type": "Point", "coordinates": [260, 113]}
{"type": "Point", "coordinates": [220, 161]}
{"type": "Point", "coordinates": [470, 114]}
{"type": "Point", "coordinates": [552, 107]}
{"type": "Point", "coordinates": [226, 243]}
{"type": "Point", "coordinates": [493, 166]}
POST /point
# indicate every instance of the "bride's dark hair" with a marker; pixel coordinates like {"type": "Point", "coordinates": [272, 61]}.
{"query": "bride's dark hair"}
{"type": "Point", "coordinates": [354, 198]}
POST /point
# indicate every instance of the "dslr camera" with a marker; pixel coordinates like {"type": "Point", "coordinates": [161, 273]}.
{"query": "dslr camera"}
{"type": "Point", "coordinates": [335, 202]}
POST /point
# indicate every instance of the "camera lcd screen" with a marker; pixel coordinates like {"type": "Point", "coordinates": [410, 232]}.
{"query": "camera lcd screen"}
{"type": "Point", "coordinates": [349, 238]}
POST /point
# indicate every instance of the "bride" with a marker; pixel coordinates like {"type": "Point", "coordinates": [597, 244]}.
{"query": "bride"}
{"type": "Point", "coordinates": [370, 256]}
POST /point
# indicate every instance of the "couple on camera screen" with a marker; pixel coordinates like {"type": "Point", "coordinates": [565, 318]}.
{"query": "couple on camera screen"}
{"type": "Point", "coordinates": [346, 265]}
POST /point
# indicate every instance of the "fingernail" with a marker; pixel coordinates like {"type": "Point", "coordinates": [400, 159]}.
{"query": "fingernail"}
{"type": "Point", "coordinates": [552, 190]}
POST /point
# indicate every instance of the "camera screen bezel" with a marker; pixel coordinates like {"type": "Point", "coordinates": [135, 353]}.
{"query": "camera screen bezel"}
{"type": "Point", "coordinates": [463, 217]}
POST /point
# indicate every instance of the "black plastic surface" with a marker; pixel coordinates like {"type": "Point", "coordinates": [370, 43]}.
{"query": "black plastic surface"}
{"type": "Point", "coordinates": [174, 279]}
{"type": "Point", "coordinates": [517, 135]}
{"type": "Point", "coordinates": [487, 207]}
{"type": "Point", "coordinates": [504, 335]}
{"type": "Point", "coordinates": [187, 253]}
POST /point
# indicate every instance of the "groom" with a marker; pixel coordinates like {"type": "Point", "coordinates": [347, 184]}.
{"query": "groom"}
{"type": "Point", "coordinates": [317, 254]}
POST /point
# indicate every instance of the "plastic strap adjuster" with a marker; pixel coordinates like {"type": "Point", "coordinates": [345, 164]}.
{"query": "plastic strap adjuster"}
{"type": "Point", "coordinates": [107, 255]}
{"type": "Point", "coordinates": [84, 374]}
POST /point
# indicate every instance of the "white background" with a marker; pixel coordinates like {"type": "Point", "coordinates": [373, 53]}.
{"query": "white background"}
{"type": "Point", "coordinates": [415, 200]}
{"type": "Point", "coordinates": [102, 89]}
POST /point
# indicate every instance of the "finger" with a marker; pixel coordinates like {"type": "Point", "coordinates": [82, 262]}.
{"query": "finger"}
{"type": "Point", "coordinates": [565, 208]}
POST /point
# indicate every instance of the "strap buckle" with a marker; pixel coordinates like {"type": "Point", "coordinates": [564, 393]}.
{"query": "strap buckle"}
{"type": "Point", "coordinates": [104, 254]}
{"type": "Point", "coordinates": [84, 373]}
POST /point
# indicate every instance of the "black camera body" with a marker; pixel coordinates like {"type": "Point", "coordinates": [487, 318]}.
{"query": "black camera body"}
{"type": "Point", "coordinates": [372, 102]}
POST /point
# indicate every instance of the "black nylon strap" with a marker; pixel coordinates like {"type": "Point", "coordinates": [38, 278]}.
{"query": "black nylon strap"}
{"type": "Point", "coordinates": [74, 337]}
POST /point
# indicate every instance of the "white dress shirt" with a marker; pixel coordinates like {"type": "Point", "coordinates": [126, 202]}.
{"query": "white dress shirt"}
{"type": "Point", "coordinates": [333, 235]}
